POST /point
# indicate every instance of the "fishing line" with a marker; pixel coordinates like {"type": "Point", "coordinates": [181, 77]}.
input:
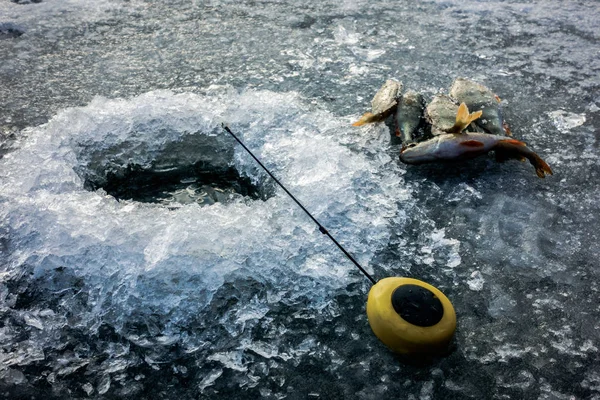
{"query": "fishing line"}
{"type": "Point", "coordinates": [321, 227]}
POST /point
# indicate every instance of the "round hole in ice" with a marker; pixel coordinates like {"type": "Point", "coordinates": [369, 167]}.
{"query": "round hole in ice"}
{"type": "Point", "coordinates": [158, 149]}
{"type": "Point", "coordinates": [177, 169]}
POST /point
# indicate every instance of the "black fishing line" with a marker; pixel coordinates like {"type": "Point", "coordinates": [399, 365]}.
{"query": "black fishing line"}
{"type": "Point", "coordinates": [321, 228]}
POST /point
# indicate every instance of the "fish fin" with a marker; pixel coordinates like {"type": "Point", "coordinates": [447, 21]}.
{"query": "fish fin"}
{"type": "Point", "coordinates": [475, 115]}
{"type": "Point", "coordinates": [462, 115]}
{"type": "Point", "coordinates": [506, 128]}
{"type": "Point", "coordinates": [498, 99]}
{"type": "Point", "coordinates": [511, 148]}
{"type": "Point", "coordinates": [472, 143]}
{"type": "Point", "coordinates": [513, 141]}
{"type": "Point", "coordinates": [366, 119]}
{"type": "Point", "coordinates": [541, 168]}
{"type": "Point", "coordinates": [463, 118]}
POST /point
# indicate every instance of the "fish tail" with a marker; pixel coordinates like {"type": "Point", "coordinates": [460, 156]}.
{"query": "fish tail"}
{"type": "Point", "coordinates": [366, 119]}
{"type": "Point", "coordinates": [463, 118]}
{"type": "Point", "coordinates": [541, 167]}
{"type": "Point", "coordinates": [514, 149]}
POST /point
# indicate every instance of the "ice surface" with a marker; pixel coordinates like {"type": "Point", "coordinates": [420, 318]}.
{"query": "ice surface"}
{"type": "Point", "coordinates": [245, 299]}
{"type": "Point", "coordinates": [564, 120]}
{"type": "Point", "coordinates": [142, 270]}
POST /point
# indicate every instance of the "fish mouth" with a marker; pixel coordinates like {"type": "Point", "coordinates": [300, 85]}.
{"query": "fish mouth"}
{"type": "Point", "coordinates": [406, 147]}
{"type": "Point", "coordinates": [408, 156]}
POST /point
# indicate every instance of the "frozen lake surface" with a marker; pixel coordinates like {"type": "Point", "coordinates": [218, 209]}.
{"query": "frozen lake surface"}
{"type": "Point", "coordinates": [143, 254]}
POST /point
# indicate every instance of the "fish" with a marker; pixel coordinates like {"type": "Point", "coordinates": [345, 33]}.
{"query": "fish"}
{"type": "Point", "coordinates": [384, 103]}
{"type": "Point", "coordinates": [467, 145]}
{"type": "Point", "coordinates": [459, 145]}
{"type": "Point", "coordinates": [479, 97]}
{"type": "Point", "coordinates": [409, 116]}
{"type": "Point", "coordinates": [447, 117]}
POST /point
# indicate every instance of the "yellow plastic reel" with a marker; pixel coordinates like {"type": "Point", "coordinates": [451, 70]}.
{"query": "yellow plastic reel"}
{"type": "Point", "coordinates": [401, 336]}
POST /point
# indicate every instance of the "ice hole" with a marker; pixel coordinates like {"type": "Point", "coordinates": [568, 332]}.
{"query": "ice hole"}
{"type": "Point", "coordinates": [155, 162]}
{"type": "Point", "coordinates": [174, 188]}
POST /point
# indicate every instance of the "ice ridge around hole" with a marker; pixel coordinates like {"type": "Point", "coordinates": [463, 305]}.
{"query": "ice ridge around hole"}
{"type": "Point", "coordinates": [78, 259]}
{"type": "Point", "coordinates": [117, 299]}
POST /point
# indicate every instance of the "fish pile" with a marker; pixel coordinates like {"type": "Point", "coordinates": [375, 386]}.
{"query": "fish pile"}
{"type": "Point", "coordinates": [445, 130]}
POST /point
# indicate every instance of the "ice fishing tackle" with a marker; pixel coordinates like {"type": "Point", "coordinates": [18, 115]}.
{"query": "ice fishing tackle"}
{"type": "Point", "coordinates": [409, 316]}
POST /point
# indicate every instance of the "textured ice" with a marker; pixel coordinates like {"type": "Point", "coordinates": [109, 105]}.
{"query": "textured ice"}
{"type": "Point", "coordinates": [564, 120]}
{"type": "Point", "coordinates": [139, 300]}
{"type": "Point", "coordinates": [143, 270]}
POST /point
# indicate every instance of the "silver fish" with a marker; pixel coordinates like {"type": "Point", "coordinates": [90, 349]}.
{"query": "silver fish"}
{"type": "Point", "coordinates": [409, 116]}
{"type": "Point", "coordinates": [467, 145]}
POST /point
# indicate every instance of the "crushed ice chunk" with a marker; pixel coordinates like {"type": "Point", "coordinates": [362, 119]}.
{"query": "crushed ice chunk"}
{"type": "Point", "coordinates": [71, 368]}
{"type": "Point", "coordinates": [32, 320]}
{"type": "Point", "coordinates": [450, 246]}
{"type": "Point", "coordinates": [588, 346]}
{"type": "Point", "coordinates": [12, 376]}
{"type": "Point", "coordinates": [88, 388]}
{"type": "Point", "coordinates": [507, 351]}
{"type": "Point", "coordinates": [454, 260]}
{"type": "Point", "coordinates": [343, 36]}
{"type": "Point", "coordinates": [114, 365]}
{"type": "Point", "coordinates": [305, 346]}
{"type": "Point", "coordinates": [210, 379]}
{"type": "Point", "coordinates": [591, 381]}
{"type": "Point", "coordinates": [476, 282]}
{"type": "Point", "coordinates": [266, 350]}
{"type": "Point", "coordinates": [104, 384]}
{"type": "Point", "coordinates": [463, 192]}
{"type": "Point", "coordinates": [26, 352]}
{"type": "Point", "coordinates": [230, 359]}
{"type": "Point", "coordinates": [548, 393]}
{"type": "Point", "coordinates": [453, 386]}
{"type": "Point", "coordinates": [565, 120]}
{"type": "Point", "coordinates": [426, 391]}
{"type": "Point", "coordinates": [562, 339]}
{"type": "Point", "coordinates": [358, 70]}
{"type": "Point", "coordinates": [523, 380]}
{"type": "Point", "coordinates": [367, 54]}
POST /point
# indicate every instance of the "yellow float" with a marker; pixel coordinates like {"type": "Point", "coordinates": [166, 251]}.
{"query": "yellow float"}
{"type": "Point", "coordinates": [410, 316]}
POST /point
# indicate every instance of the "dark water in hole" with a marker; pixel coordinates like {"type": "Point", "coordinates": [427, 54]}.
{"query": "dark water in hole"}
{"type": "Point", "coordinates": [174, 188]}
{"type": "Point", "coordinates": [517, 255]}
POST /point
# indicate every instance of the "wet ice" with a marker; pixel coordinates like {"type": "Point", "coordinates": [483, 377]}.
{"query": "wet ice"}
{"type": "Point", "coordinates": [111, 296]}
{"type": "Point", "coordinates": [143, 270]}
